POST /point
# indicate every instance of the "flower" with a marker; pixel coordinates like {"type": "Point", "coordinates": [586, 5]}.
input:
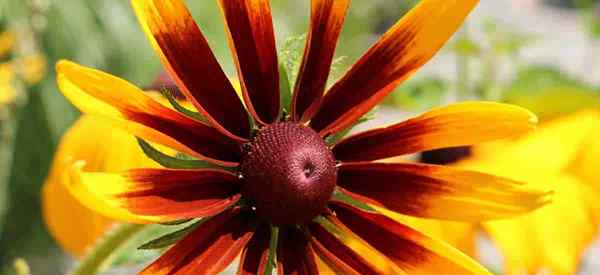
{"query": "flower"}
{"type": "Point", "coordinates": [273, 189]}
{"type": "Point", "coordinates": [30, 68]}
{"type": "Point", "coordinates": [561, 155]}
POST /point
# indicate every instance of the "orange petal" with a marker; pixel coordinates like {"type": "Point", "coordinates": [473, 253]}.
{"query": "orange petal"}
{"type": "Point", "coordinates": [440, 192]}
{"type": "Point", "coordinates": [187, 56]}
{"type": "Point", "coordinates": [412, 251]}
{"type": "Point", "coordinates": [252, 41]}
{"type": "Point", "coordinates": [454, 125]}
{"type": "Point", "coordinates": [402, 50]}
{"type": "Point", "coordinates": [207, 250]}
{"type": "Point", "coordinates": [327, 18]}
{"type": "Point", "coordinates": [130, 108]}
{"type": "Point", "coordinates": [156, 195]}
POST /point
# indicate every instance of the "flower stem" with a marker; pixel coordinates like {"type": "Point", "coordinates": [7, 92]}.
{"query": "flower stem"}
{"type": "Point", "coordinates": [104, 252]}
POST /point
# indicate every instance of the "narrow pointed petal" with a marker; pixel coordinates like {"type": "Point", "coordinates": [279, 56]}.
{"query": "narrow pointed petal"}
{"type": "Point", "coordinates": [256, 254]}
{"type": "Point", "coordinates": [327, 18]}
{"type": "Point", "coordinates": [101, 94]}
{"type": "Point", "coordinates": [412, 251]}
{"type": "Point", "coordinates": [105, 150]}
{"type": "Point", "coordinates": [207, 250]}
{"type": "Point", "coordinates": [454, 125]}
{"type": "Point", "coordinates": [294, 254]}
{"type": "Point", "coordinates": [252, 41]}
{"type": "Point", "coordinates": [158, 194]}
{"type": "Point", "coordinates": [187, 56]}
{"type": "Point", "coordinates": [338, 255]}
{"type": "Point", "coordinates": [403, 49]}
{"type": "Point", "coordinates": [440, 192]}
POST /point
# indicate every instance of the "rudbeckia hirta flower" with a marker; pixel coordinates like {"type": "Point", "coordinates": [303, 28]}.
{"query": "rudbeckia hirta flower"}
{"type": "Point", "coordinates": [273, 189]}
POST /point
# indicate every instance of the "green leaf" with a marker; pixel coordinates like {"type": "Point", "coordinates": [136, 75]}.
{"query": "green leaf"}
{"type": "Point", "coordinates": [342, 197]}
{"type": "Point", "coordinates": [272, 260]}
{"type": "Point", "coordinates": [195, 115]}
{"type": "Point", "coordinates": [170, 238]}
{"type": "Point", "coordinates": [174, 162]}
{"type": "Point", "coordinates": [291, 56]}
{"type": "Point", "coordinates": [335, 138]}
{"type": "Point", "coordinates": [284, 88]}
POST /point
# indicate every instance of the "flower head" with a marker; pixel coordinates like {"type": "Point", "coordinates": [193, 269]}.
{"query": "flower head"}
{"type": "Point", "coordinates": [267, 185]}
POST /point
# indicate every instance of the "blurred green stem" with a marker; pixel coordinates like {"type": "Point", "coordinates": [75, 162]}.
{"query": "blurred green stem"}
{"type": "Point", "coordinates": [103, 254]}
{"type": "Point", "coordinates": [8, 125]}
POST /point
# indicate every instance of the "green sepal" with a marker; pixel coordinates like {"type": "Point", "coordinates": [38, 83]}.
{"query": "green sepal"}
{"type": "Point", "coordinates": [335, 138]}
{"type": "Point", "coordinates": [272, 259]}
{"type": "Point", "coordinates": [195, 115]}
{"type": "Point", "coordinates": [284, 88]}
{"type": "Point", "coordinates": [342, 197]}
{"type": "Point", "coordinates": [170, 238]}
{"type": "Point", "coordinates": [174, 162]}
{"type": "Point", "coordinates": [178, 222]}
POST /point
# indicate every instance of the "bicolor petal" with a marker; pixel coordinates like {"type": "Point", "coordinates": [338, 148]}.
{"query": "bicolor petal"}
{"type": "Point", "coordinates": [209, 249]}
{"type": "Point", "coordinates": [410, 250]}
{"type": "Point", "coordinates": [157, 195]}
{"type": "Point", "coordinates": [294, 254]}
{"type": "Point", "coordinates": [256, 254]}
{"type": "Point", "coordinates": [252, 41]}
{"type": "Point", "coordinates": [440, 192]}
{"type": "Point", "coordinates": [454, 125]}
{"type": "Point", "coordinates": [187, 56]}
{"type": "Point", "coordinates": [340, 251]}
{"type": "Point", "coordinates": [99, 93]}
{"type": "Point", "coordinates": [403, 49]}
{"type": "Point", "coordinates": [326, 20]}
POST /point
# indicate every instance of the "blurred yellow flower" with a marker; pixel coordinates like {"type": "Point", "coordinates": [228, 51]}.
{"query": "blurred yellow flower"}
{"type": "Point", "coordinates": [31, 69]}
{"type": "Point", "coordinates": [105, 149]}
{"type": "Point", "coordinates": [563, 156]}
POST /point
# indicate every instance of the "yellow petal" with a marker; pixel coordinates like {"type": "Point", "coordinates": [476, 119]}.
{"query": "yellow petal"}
{"type": "Point", "coordinates": [550, 149]}
{"type": "Point", "coordinates": [453, 125]}
{"type": "Point", "coordinates": [104, 149]}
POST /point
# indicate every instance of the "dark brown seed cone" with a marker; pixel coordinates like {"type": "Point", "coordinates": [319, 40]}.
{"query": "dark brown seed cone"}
{"type": "Point", "coordinates": [289, 173]}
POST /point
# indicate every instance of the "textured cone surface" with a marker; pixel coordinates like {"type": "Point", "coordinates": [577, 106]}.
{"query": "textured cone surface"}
{"type": "Point", "coordinates": [289, 173]}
